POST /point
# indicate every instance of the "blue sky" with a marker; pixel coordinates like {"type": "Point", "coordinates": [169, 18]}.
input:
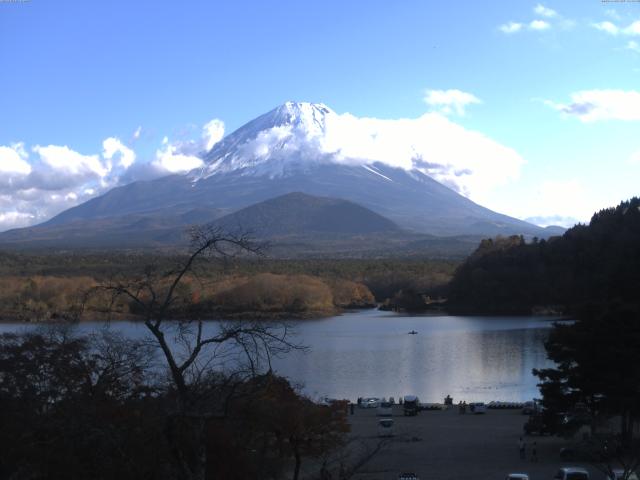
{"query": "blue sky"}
{"type": "Point", "coordinates": [556, 82]}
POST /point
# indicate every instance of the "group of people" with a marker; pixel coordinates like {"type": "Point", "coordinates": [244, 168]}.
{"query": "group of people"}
{"type": "Point", "coordinates": [462, 407]}
{"type": "Point", "coordinates": [522, 449]}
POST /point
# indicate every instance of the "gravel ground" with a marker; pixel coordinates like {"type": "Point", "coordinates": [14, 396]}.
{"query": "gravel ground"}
{"type": "Point", "coordinates": [446, 445]}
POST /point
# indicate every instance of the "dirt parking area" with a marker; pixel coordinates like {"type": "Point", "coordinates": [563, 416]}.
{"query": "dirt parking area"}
{"type": "Point", "coordinates": [447, 445]}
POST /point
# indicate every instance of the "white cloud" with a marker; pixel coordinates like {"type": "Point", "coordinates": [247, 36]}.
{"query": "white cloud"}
{"type": "Point", "coordinates": [450, 101]}
{"type": "Point", "coordinates": [555, 220]}
{"type": "Point", "coordinates": [212, 133]}
{"type": "Point", "coordinates": [113, 147]}
{"type": "Point", "coordinates": [539, 25]}
{"type": "Point", "coordinates": [464, 160]}
{"type": "Point", "coordinates": [633, 46]}
{"type": "Point", "coordinates": [511, 27]}
{"type": "Point", "coordinates": [54, 179]}
{"type": "Point", "coordinates": [595, 105]}
{"type": "Point", "coordinates": [543, 11]}
{"type": "Point", "coordinates": [169, 159]}
{"type": "Point", "coordinates": [607, 26]}
{"type": "Point", "coordinates": [14, 219]}
{"type": "Point", "coordinates": [556, 200]}
{"type": "Point", "coordinates": [633, 29]}
{"type": "Point", "coordinates": [13, 159]}
{"type": "Point", "coordinates": [65, 160]}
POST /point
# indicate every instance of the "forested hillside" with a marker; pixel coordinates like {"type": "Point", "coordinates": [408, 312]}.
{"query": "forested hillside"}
{"type": "Point", "coordinates": [590, 264]}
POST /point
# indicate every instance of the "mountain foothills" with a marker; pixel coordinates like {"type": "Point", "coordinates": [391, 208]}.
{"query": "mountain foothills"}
{"type": "Point", "coordinates": [589, 266]}
{"type": "Point", "coordinates": [275, 155]}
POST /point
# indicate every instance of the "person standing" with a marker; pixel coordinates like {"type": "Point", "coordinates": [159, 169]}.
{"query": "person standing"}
{"type": "Point", "coordinates": [522, 448]}
{"type": "Point", "coordinates": [534, 453]}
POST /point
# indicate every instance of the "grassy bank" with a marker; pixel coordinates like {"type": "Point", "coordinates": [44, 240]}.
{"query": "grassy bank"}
{"type": "Point", "coordinates": [48, 287]}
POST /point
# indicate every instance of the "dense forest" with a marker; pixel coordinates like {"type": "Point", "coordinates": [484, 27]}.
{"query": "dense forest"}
{"type": "Point", "coordinates": [590, 264]}
{"type": "Point", "coordinates": [49, 287]}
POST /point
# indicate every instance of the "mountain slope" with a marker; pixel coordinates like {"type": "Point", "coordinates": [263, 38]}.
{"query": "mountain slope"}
{"type": "Point", "coordinates": [276, 154]}
{"type": "Point", "coordinates": [300, 214]}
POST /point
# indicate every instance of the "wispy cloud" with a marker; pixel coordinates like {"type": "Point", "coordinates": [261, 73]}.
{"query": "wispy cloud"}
{"type": "Point", "coordinates": [597, 105]}
{"type": "Point", "coordinates": [212, 133]}
{"type": "Point", "coordinates": [607, 26]}
{"type": "Point", "coordinates": [545, 18]}
{"type": "Point", "coordinates": [543, 11]}
{"type": "Point", "coordinates": [137, 133]}
{"type": "Point", "coordinates": [633, 46]}
{"type": "Point", "coordinates": [633, 29]}
{"type": "Point", "coordinates": [510, 27]}
{"type": "Point", "coordinates": [450, 101]}
{"type": "Point", "coordinates": [539, 25]}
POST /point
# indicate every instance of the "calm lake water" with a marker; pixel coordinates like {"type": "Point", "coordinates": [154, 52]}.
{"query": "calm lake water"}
{"type": "Point", "coordinates": [370, 353]}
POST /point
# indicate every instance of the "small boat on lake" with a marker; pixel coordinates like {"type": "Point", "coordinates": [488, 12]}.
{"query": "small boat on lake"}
{"type": "Point", "coordinates": [413, 332]}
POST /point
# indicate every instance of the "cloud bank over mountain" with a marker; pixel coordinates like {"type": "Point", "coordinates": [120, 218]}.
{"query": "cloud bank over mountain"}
{"type": "Point", "coordinates": [302, 134]}
{"type": "Point", "coordinates": [39, 182]}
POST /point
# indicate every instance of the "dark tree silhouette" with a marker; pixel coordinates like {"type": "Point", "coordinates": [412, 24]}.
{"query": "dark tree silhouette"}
{"type": "Point", "coordinates": [205, 362]}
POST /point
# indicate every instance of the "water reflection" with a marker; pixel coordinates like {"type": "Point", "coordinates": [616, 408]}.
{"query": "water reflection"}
{"type": "Point", "coordinates": [370, 353]}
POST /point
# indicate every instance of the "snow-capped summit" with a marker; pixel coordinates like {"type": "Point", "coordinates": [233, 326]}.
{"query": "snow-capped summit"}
{"type": "Point", "coordinates": [310, 117]}
{"type": "Point", "coordinates": [284, 140]}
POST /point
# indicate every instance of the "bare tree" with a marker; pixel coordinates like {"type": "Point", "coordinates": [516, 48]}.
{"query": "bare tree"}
{"type": "Point", "coordinates": [206, 362]}
{"type": "Point", "coordinates": [614, 452]}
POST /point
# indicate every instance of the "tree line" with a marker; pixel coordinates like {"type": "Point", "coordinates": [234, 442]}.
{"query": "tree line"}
{"type": "Point", "coordinates": [591, 274]}
{"type": "Point", "coordinates": [590, 264]}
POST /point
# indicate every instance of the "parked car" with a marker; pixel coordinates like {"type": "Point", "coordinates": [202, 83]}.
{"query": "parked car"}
{"type": "Point", "coordinates": [477, 407]}
{"type": "Point", "coordinates": [411, 405]}
{"type": "Point", "coordinates": [571, 473]}
{"type": "Point", "coordinates": [408, 476]}
{"type": "Point", "coordinates": [385, 409]}
{"type": "Point", "coordinates": [385, 427]}
{"type": "Point", "coordinates": [618, 474]}
{"type": "Point", "coordinates": [370, 402]}
{"type": "Point", "coordinates": [517, 476]}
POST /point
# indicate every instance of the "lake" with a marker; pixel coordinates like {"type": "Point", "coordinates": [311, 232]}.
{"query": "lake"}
{"type": "Point", "coordinates": [370, 353]}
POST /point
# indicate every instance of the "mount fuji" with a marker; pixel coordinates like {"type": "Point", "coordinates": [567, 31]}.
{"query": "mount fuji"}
{"type": "Point", "coordinates": [292, 148]}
